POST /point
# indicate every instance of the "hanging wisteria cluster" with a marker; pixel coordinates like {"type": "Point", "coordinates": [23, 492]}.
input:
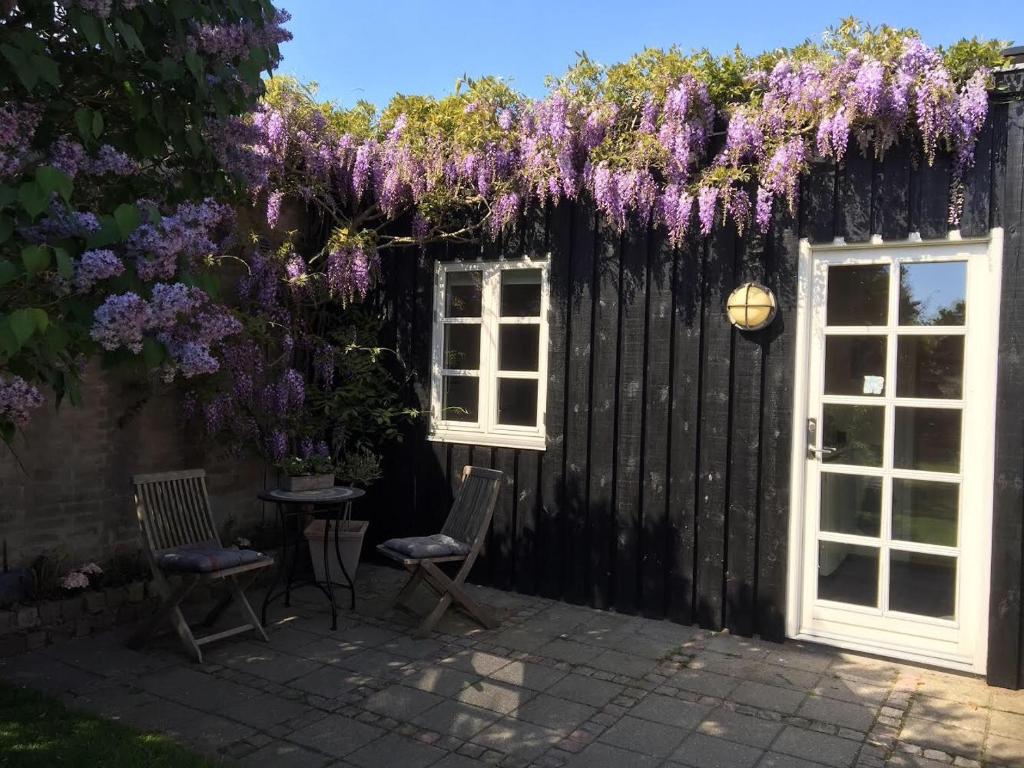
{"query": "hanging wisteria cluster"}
{"type": "Point", "coordinates": [659, 139]}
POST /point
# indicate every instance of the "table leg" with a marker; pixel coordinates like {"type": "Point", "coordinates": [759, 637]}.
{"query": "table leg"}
{"type": "Point", "coordinates": [341, 563]}
{"type": "Point", "coordinates": [327, 572]}
{"type": "Point", "coordinates": [279, 575]}
{"type": "Point", "coordinates": [295, 556]}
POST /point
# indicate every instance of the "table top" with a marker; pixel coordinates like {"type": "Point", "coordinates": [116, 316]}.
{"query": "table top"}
{"type": "Point", "coordinates": [335, 495]}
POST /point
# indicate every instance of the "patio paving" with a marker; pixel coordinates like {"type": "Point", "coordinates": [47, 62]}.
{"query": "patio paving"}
{"type": "Point", "coordinates": [555, 685]}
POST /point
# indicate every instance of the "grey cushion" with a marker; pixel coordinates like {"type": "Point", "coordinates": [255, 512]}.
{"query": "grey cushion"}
{"type": "Point", "coordinates": [437, 545]}
{"type": "Point", "coordinates": [204, 558]}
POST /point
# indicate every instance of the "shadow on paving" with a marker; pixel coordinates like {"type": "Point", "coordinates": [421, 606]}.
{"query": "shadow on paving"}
{"type": "Point", "coordinates": [554, 685]}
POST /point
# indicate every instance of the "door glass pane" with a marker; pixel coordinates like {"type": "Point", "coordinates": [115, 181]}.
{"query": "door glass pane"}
{"type": "Point", "coordinates": [933, 293]}
{"type": "Point", "coordinates": [462, 294]}
{"type": "Point", "coordinates": [930, 366]}
{"type": "Point", "coordinates": [925, 512]}
{"type": "Point", "coordinates": [460, 398]}
{"type": "Point", "coordinates": [847, 573]}
{"type": "Point", "coordinates": [517, 347]}
{"type": "Point", "coordinates": [520, 293]}
{"type": "Point", "coordinates": [858, 295]}
{"type": "Point", "coordinates": [922, 584]}
{"type": "Point", "coordinates": [927, 438]}
{"type": "Point", "coordinates": [517, 402]}
{"type": "Point", "coordinates": [855, 365]}
{"type": "Point", "coordinates": [462, 346]}
{"type": "Point", "coordinates": [851, 504]}
{"type": "Point", "coordinates": [855, 431]}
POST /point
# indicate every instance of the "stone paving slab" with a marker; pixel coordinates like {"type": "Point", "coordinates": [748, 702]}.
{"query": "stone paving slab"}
{"type": "Point", "coordinates": [556, 685]}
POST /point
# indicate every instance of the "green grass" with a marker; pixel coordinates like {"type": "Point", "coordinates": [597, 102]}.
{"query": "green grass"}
{"type": "Point", "coordinates": [36, 731]}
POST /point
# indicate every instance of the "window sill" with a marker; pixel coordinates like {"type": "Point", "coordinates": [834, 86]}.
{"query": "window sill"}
{"type": "Point", "coordinates": [521, 442]}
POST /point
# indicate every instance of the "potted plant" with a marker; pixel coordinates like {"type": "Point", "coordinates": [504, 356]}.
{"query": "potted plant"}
{"type": "Point", "coordinates": [306, 474]}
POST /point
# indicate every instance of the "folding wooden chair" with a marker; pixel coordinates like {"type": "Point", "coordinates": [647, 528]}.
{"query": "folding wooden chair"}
{"type": "Point", "coordinates": [467, 522]}
{"type": "Point", "coordinates": [181, 539]}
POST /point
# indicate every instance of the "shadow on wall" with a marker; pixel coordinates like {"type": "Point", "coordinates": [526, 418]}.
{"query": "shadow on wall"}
{"type": "Point", "coordinates": [68, 483]}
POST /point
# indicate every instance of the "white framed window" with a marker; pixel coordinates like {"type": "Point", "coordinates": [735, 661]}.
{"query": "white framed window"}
{"type": "Point", "coordinates": [490, 353]}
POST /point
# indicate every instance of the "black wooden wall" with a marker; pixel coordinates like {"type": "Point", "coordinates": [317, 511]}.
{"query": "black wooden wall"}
{"type": "Point", "coordinates": [664, 490]}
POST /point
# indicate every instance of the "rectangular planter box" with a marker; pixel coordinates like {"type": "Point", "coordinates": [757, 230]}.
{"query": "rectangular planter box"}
{"type": "Point", "coordinates": [350, 542]}
{"type": "Point", "coordinates": [306, 482]}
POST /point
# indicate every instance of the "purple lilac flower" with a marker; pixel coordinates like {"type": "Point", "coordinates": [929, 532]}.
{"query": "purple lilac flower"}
{"type": "Point", "coordinates": [110, 161]}
{"type": "Point", "coordinates": [67, 156]}
{"type": "Point", "coordinates": [94, 266]}
{"type": "Point", "coordinates": [120, 322]}
{"type": "Point", "coordinates": [168, 302]}
{"type": "Point", "coordinates": [17, 399]}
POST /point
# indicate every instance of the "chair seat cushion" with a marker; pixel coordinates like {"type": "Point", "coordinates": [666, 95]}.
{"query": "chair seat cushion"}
{"type": "Point", "coordinates": [206, 558]}
{"type": "Point", "coordinates": [437, 545]}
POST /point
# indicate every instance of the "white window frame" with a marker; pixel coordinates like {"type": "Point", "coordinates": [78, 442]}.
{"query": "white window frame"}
{"type": "Point", "coordinates": [487, 431]}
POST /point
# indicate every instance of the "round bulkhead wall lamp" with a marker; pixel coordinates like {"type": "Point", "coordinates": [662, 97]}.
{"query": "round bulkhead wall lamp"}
{"type": "Point", "coordinates": [751, 307]}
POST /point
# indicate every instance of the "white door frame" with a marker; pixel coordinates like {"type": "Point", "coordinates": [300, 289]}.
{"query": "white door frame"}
{"type": "Point", "coordinates": [984, 314]}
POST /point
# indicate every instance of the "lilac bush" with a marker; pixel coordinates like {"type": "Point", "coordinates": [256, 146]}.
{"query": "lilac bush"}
{"type": "Point", "coordinates": [115, 216]}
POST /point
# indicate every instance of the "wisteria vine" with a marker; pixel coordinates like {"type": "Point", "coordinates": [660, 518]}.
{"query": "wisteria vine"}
{"type": "Point", "coordinates": [683, 142]}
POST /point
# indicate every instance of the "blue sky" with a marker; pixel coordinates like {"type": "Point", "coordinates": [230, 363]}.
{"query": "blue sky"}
{"type": "Point", "coordinates": [372, 48]}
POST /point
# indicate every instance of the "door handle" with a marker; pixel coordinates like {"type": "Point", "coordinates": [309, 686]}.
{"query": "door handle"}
{"type": "Point", "coordinates": [812, 440]}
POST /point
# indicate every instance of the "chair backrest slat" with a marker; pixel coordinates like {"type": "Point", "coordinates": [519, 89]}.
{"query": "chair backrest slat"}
{"type": "Point", "coordinates": [473, 506]}
{"type": "Point", "coordinates": [174, 509]}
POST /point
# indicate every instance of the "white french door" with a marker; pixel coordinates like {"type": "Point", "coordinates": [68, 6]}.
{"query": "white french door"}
{"type": "Point", "coordinates": [894, 448]}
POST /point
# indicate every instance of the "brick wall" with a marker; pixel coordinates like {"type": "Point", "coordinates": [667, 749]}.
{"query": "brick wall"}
{"type": "Point", "coordinates": [73, 486]}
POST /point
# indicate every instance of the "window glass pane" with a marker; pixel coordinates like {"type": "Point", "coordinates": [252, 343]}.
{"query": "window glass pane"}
{"type": "Point", "coordinates": [517, 347]}
{"type": "Point", "coordinates": [462, 294]}
{"type": "Point", "coordinates": [462, 346]}
{"type": "Point", "coordinates": [922, 584]}
{"type": "Point", "coordinates": [851, 504]}
{"type": "Point", "coordinates": [930, 366]}
{"type": "Point", "coordinates": [847, 573]}
{"type": "Point", "coordinates": [855, 365]}
{"type": "Point", "coordinates": [855, 431]}
{"type": "Point", "coordinates": [858, 295]}
{"type": "Point", "coordinates": [933, 294]}
{"type": "Point", "coordinates": [927, 438]}
{"type": "Point", "coordinates": [520, 293]}
{"type": "Point", "coordinates": [517, 402]}
{"type": "Point", "coordinates": [461, 398]}
{"type": "Point", "coordinates": [925, 512]}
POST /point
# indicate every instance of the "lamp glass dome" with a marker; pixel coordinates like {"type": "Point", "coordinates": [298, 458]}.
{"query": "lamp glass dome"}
{"type": "Point", "coordinates": [751, 307]}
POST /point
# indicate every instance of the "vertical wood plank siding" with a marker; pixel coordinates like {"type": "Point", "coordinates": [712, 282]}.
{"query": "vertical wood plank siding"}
{"type": "Point", "coordinates": [664, 489]}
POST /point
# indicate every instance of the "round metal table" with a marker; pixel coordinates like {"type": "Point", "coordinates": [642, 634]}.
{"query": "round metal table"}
{"type": "Point", "coordinates": [327, 504]}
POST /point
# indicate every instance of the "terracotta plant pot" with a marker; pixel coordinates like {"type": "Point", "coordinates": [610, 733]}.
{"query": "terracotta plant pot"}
{"type": "Point", "coordinates": [306, 482]}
